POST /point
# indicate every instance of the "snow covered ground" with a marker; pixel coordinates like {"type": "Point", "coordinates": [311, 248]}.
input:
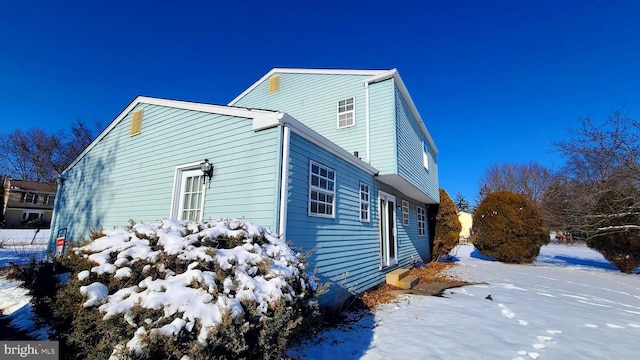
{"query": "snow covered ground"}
{"type": "Point", "coordinates": [570, 304]}
{"type": "Point", "coordinates": [20, 245]}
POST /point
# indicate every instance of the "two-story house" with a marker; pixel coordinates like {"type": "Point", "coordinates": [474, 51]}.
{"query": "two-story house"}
{"type": "Point", "coordinates": [342, 165]}
{"type": "Point", "coordinates": [26, 203]}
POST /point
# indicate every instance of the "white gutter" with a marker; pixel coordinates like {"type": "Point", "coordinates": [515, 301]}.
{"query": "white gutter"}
{"type": "Point", "coordinates": [284, 181]}
{"type": "Point", "coordinates": [366, 123]}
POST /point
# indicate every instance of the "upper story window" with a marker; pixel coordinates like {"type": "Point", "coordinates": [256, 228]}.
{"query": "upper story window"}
{"type": "Point", "coordinates": [49, 199]}
{"type": "Point", "coordinates": [405, 212]}
{"type": "Point", "coordinates": [30, 198]}
{"type": "Point", "coordinates": [422, 221]}
{"type": "Point", "coordinates": [346, 113]}
{"type": "Point", "coordinates": [322, 190]}
{"type": "Point", "coordinates": [425, 155]}
{"type": "Point", "coordinates": [364, 202]}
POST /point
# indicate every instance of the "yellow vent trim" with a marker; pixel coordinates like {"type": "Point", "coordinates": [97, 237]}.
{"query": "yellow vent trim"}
{"type": "Point", "coordinates": [274, 84]}
{"type": "Point", "coordinates": [136, 122]}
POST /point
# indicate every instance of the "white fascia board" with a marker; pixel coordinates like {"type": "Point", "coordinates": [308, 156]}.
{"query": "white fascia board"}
{"type": "Point", "coordinates": [305, 71]}
{"type": "Point", "coordinates": [307, 133]}
{"type": "Point", "coordinates": [393, 73]}
{"type": "Point", "coordinates": [178, 104]}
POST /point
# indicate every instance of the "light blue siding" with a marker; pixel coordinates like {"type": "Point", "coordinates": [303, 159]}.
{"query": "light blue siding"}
{"type": "Point", "coordinates": [132, 177]}
{"type": "Point", "coordinates": [345, 250]}
{"type": "Point", "coordinates": [313, 99]}
{"type": "Point", "coordinates": [382, 129]}
{"type": "Point", "coordinates": [411, 247]}
{"type": "Point", "coordinates": [410, 152]}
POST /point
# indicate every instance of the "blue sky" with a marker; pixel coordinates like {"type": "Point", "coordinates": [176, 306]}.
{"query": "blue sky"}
{"type": "Point", "coordinates": [495, 81]}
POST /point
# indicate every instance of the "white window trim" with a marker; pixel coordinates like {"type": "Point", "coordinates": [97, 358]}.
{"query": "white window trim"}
{"type": "Point", "coordinates": [405, 212]}
{"type": "Point", "coordinates": [177, 190]}
{"type": "Point", "coordinates": [321, 190]}
{"type": "Point", "coordinates": [421, 216]}
{"type": "Point", "coordinates": [33, 199]}
{"type": "Point", "coordinates": [363, 202]}
{"type": "Point", "coordinates": [353, 113]}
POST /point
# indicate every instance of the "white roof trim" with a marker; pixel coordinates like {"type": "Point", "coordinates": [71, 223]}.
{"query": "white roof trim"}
{"type": "Point", "coordinates": [393, 73]}
{"type": "Point", "coordinates": [186, 105]}
{"type": "Point", "coordinates": [323, 142]}
{"type": "Point", "coordinates": [306, 71]}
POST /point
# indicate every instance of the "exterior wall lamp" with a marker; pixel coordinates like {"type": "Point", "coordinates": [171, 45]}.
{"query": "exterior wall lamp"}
{"type": "Point", "coordinates": [207, 170]}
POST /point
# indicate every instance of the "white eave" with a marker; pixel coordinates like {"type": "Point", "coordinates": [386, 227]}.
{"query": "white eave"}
{"type": "Point", "coordinates": [375, 76]}
{"type": "Point", "coordinates": [178, 104]}
{"type": "Point", "coordinates": [306, 132]}
{"type": "Point", "coordinates": [306, 71]}
{"type": "Point", "coordinates": [393, 73]}
{"type": "Point", "coordinates": [261, 119]}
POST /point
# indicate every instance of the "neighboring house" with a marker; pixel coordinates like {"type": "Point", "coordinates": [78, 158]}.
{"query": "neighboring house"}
{"type": "Point", "coordinates": [343, 167]}
{"type": "Point", "coordinates": [466, 220]}
{"type": "Point", "coordinates": [27, 203]}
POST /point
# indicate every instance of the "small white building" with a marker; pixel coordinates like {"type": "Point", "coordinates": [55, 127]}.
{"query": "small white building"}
{"type": "Point", "coordinates": [466, 220]}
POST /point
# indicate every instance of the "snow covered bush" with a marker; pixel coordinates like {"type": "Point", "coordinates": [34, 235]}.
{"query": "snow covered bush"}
{"type": "Point", "coordinates": [448, 227]}
{"type": "Point", "coordinates": [209, 290]}
{"type": "Point", "coordinates": [509, 228]}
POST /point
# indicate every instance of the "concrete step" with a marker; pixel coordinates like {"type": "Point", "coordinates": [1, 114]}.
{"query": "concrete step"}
{"type": "Point", "coordinates": [394, 277]}
{"type": "Point", "coordinates": [408, 282]}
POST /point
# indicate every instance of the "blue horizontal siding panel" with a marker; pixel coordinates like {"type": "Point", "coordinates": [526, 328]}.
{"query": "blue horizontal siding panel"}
{"type": "Point", "coordinates": [313, 99]}
{"type": "Point", "coordinates": [344, 250]}
{"type": "Point", "coordinates": [127, 177]}
{"type": "Point", "coordinates": [410, 140]}
{"type": "Point", "coordinates": [382, 130]}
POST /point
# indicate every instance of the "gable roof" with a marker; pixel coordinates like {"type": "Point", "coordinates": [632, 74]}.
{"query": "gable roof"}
{"type": "Point", "coordinates": [262, 119]}
{"type": "Point", "coordinates": [374, 76]}
{"type": "Point", "coordinates": [179, 104]}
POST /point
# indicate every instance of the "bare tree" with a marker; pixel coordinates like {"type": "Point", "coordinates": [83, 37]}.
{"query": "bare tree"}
{"type": "Point", "coordinates": [36, 155]}
{"type": "Point", "coordinates": [597, 193]}
{"type": "Point", "coordinates": [27, 155]}
{"type": "Point", "coordinates": [530, 180]}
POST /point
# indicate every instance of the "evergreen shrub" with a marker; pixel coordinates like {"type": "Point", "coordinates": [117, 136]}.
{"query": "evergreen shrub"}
{"type": "Point", "coordinates": [448, 227]}
{"type": "Point", "coordinates": [509, 228]}
{"type": "Point", "coordinates": [222, 257]}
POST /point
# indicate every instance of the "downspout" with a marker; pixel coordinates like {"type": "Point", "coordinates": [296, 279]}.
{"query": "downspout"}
{"type": "Point", "coordinates": [51, 248]}
{"type": "Point", "coordinates": [284, 181]}
{"type": "Point", "coordinates": [366, 122]}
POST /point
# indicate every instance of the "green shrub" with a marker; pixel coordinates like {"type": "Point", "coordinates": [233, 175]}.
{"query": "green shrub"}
{"type": "Point", "coordinates": [509, 228]}
{"type": "Point", "coordinates": [448, 227]}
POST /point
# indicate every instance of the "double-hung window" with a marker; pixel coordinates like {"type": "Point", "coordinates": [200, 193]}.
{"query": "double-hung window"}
{"type": "Point", "coordinates": [346, 113]}
{"type": "Point", "coordinates": [422, 221]}
{"type": "Point", "coordinates": [30, 198]}
{"type": "Point", "coordinates": [405, 212]}
{"type": "Point", "coordinates": [322, 190]}
{"type": "Point", "coordinates": [364, 202]}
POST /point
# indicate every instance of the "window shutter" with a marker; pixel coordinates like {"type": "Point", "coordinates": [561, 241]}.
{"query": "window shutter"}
{"type": "Point", "coordinates": [136, 122]}
{"type": "Point", "coordinates": [274, 84]}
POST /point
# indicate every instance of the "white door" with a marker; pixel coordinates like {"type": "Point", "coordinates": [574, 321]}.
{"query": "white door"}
{"type": "Point", "coordinates": [387, 220]}
{"type": "Point", "coordinates": [190, 195]}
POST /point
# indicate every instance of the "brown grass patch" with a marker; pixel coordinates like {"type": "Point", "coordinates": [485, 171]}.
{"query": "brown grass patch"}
{"type": "Point", "coordinates": [385, 293]}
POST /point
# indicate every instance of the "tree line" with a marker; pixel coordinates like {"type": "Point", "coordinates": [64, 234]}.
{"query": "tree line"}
{"type": "Point", "coordinates": [594, 196]}
{"type": "Point", "coordinates": [36, 155]}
